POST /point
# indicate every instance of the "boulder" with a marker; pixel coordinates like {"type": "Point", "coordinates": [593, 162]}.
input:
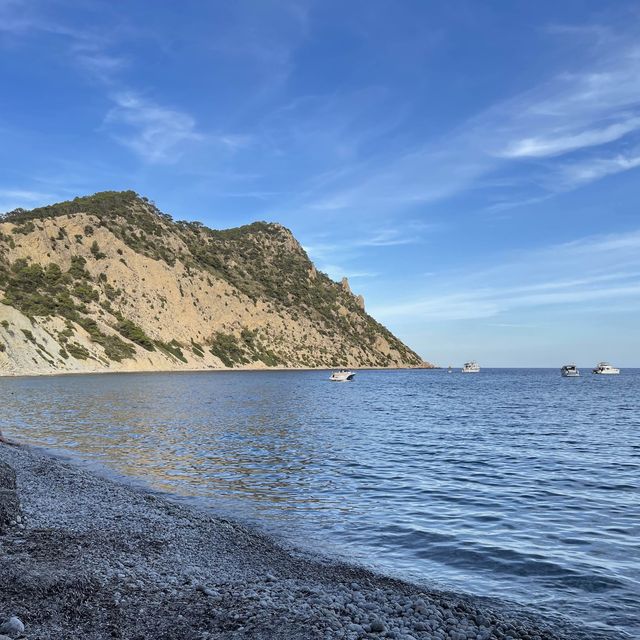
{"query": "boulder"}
{"type": "Point", "coordinates": [13, 627]}
{"type": "Point", "coordinates": [9, 503]}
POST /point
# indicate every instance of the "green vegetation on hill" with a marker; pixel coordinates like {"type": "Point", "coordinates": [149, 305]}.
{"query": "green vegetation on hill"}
{"type": "Point", "coordinates": [39, 291]}
{"type": "Point", "coordinates": [99, 204]}
{"type": "Point", "coordinates": [249, 347]}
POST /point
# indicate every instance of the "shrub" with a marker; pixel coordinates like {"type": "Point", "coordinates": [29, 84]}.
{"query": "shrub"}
{"type": "Point", "coordinates": [29, 336]}
{"type": "Point", "coordinates": [24, 228]}
{"type": "Point", "coordinates": [225, 346]}
{"type": "Point", "coordinates": [172, 348]}
{"type": "Point", "coordinates": [77, 270]}
{"type": "Point", "coordinates": [77, 351]}
{"type": "Point", "coordinates": [135, 333]}
{"type": "Point", "coordinates": [95, 251]}
{"type": "Point", "coordinates": [85, 292]}
{"type": "Point", "coordinates": [197, 349]}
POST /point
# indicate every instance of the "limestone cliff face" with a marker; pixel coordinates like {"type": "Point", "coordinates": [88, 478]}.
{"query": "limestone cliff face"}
{"type": "Point", "coordinates": [108, 282]}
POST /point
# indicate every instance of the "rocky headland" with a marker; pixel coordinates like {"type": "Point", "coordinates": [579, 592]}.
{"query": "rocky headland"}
{"type": "Point", "coordinates": [109, 283]}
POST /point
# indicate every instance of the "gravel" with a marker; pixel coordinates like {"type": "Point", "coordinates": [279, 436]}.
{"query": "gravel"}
{"type": "Point", "coordinates": [96, 558]}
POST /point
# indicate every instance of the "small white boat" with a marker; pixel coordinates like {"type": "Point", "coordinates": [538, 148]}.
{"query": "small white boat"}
{"type": "Point", "coordinates": [342, 376]}
{"type": "Point", "coordinates": [471, 367]}
{"type": "Point", "coordinates": [570, 371]}
{"type": "Point", "coordinates": [604, 368]}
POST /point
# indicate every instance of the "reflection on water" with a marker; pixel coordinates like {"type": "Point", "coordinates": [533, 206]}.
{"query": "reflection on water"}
{"type": "Point", "coordinates": [513, 483]}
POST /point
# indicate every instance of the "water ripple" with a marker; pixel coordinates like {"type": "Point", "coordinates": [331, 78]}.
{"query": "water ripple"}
{"type": "Point", "coordinates": [512, 483]}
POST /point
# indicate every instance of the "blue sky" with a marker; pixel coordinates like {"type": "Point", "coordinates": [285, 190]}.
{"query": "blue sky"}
{"type": "Point", "coordinates": [472, 167]}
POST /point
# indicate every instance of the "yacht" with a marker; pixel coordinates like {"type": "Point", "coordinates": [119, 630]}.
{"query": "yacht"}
{"type": "Point", "coordinates": [604, 368]}
{"type": "Point", "coordinates": [570, 371]}
{"type": "Point", "coordinates": [471, 367]}
{"type": "Point", "coordinates": [342, 376]}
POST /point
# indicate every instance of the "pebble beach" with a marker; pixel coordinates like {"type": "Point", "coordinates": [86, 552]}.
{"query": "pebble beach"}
{"type": "Point", "coordinates": [90, 557]}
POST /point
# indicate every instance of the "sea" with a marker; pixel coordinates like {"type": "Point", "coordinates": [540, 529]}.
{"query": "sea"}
{"type": "Point", "coordinates": [513, 484]}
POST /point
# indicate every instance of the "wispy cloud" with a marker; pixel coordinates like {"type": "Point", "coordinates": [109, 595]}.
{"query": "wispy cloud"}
{"type": "Point", "coordinates": [574, 174]}
{"type": "Point", "coordinates": [18, 18]}
{"type": "Point", "coordinates": [98, 64]}
{"type": "Point", "coordinates": [492, 302]}
{"type": "Point", "coordinates": [558, 144]}
{"type": "Point", "coordinates": [342, 258]}
{"type": "Point", "coordinates": [235, 142]}
{"type": "Point", "coordinates": [412, 233]}
{"type": "Point", "coordinates": [595, 106]}
{"type": "Point", "coordinates": [349, 148]}
{"type": "Point", "coordinates": [87, 46]}
{"type": "Point", "coordinates": [510, 203]}
{"type": "Point", "coordinates": [604, 268]}
{"type": "Point", "coordinates": [156, 133]}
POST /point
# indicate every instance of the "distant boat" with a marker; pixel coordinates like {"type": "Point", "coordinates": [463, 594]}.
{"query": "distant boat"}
{"type": "Point", "coordinates": [342, 376]}
{"type": "Point", "coordinates": [604, 368]}
{"type": "Point", "coordinates": [450, 369]}
{"type": "Point", "coordinates": [570, 371]}
{"type": "Point", "coordinates": [471, 367]}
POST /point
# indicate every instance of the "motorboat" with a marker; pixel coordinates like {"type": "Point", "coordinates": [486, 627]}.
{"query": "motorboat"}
{"type": "Point", "coordinates": [471, 367]}
{"type": "Point", "coordinates": [343, 375]}
{"type": "Point", "coordinates": [604, 368]}
{"type": "Point", "coordinates": [570, 371]}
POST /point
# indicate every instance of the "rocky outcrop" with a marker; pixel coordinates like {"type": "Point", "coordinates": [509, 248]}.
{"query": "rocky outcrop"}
{"type": "Point", "coordinates": [359, 299]}
{"type": "Point", "coordinates": [109, 283]}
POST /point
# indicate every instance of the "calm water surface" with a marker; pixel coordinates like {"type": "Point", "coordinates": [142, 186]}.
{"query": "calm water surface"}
{"type": "Point", "coordinates": [517, 484]}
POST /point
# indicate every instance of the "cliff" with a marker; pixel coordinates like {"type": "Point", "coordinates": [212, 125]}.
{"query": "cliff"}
{"type": "Point", "coordinates": [109, 283]}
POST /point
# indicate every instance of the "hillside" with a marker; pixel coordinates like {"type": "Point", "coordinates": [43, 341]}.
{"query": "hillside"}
{"type": "Point", "coordinates": [108, 282]}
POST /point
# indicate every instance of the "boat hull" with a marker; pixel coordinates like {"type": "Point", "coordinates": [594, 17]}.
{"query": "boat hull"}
{"type": "Point", "coordinates": [570, 371]}
{"type": "Point", "coordinates": [337, 377]}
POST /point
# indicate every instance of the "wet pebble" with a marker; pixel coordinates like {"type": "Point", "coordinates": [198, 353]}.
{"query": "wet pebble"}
{"type": "Point", "coordinates": [377, 626]}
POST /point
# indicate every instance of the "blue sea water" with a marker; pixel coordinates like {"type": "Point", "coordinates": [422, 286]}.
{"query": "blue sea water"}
{"type": "Point", "coordinates": [512, 483]}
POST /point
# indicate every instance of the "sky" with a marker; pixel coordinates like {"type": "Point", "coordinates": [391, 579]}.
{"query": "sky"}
{"type": "Point", "coordinates": [472, 167]}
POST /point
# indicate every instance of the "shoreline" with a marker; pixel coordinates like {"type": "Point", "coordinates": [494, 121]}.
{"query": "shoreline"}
{"type": "Point", "coordinates": [96, 558]}
{"type": "Point", "coordinates": [4, 374]}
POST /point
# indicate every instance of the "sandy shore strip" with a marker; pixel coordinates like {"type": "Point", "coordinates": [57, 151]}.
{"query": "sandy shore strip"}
{"type": "Point", "coordinates": [45, 372]}
{"type": "Point", "coordinates": [91, 558]}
